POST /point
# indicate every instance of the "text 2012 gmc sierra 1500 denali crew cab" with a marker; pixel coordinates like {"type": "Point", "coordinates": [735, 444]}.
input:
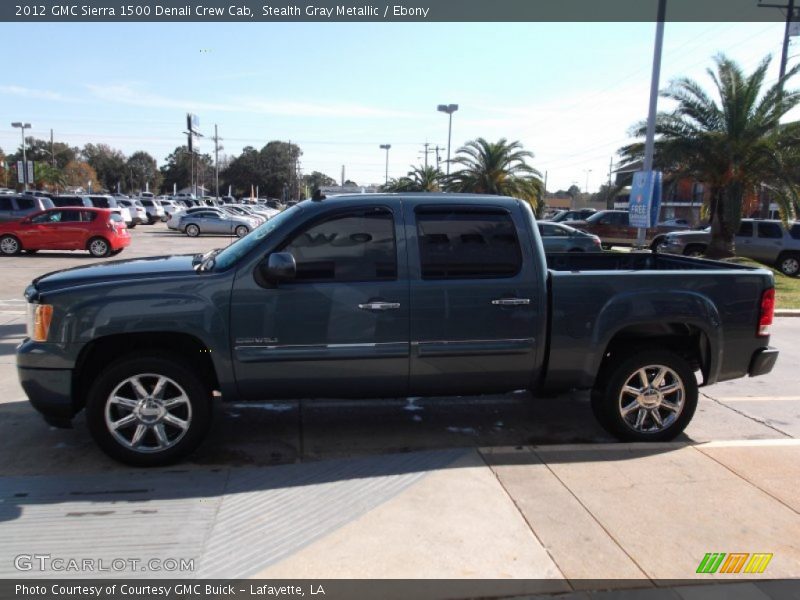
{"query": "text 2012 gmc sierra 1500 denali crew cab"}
{"type": "Point", "coordinates": [386, 296]}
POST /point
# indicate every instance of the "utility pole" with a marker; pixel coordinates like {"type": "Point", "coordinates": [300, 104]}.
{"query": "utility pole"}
{"type": "Point", "coordinates": [426, 152]}
{"type": "Point", "coordinates": [789, 8]}
{"type": "Point", "coordinates": [217, 148]}
{"type": "Point", "coordinates": [437, 149]}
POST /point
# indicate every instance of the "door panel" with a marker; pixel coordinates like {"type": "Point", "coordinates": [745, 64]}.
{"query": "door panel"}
{"type": "Point", "coordinates": [340, 329]}
{"type": "Point", "coordinates": [475, 306]}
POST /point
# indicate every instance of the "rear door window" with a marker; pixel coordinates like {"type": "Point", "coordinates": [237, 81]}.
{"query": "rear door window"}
{"type": "Point", "coordinates": [745, 229]}
{"type": "Point", "coordinates": [795, 231]}
{"type": "Point", "coordinates": [467, 244]}
{"type": "Point", "coordinates": [770, 231]}
{"type": "Point", "coordinates": [25, 203]}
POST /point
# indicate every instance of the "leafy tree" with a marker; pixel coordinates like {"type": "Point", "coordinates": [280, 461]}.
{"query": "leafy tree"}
{"type": "Point", "coordinates": [39, 151]}
{"type": "Point", "coordinates": [732, 142]}
{"type": "Point", "coordinates": [272, 169]}
{"type": "Point", "coordinates": [143, 170]}
{"type": "Point", "coordinates": [5, 170]}
{"type": "Point", "coordinates": [177, 171]}
{"type": "Point", "coordinates": [108, 163]}
{"type": "Point", "coordinates": [80, 174]}
{"type": "Point", "coordinates": [418, 179]}
{"type": "Point", "coordinates": [243, 171]}
{"type": "Point", "coordinates": [317, 180]}
{"type": "Point", "coordinates": [279, 160]}
{"type": "Point", "coordinates": [496, 168]}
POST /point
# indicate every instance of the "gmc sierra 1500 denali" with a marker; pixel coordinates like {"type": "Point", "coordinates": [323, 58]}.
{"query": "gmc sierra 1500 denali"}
{"type": "Point", "coordinates": [386, 296]}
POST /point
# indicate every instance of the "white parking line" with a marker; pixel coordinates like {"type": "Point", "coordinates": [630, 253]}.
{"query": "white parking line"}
{"type": "Point", "coordinates": [758, 399]}
{"type": "Point", "coordinates": [614, 446]}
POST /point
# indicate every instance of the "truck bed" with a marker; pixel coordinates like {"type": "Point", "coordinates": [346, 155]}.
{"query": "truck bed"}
{"type": "Point", "coordinates": [634, 261]}
{"type": "Point", "coordinates": [592, 294]}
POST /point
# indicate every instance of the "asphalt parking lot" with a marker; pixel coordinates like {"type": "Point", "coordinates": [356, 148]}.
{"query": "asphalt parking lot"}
{"type": "Point", "coordinates": [491, 487]}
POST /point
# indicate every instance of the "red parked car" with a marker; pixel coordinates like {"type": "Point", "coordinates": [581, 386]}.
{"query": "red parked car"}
{"type": "Point", "coordinates": [97, 230]}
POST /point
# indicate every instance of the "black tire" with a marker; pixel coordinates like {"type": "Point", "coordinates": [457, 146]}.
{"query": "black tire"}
{"type": "Point", "coordinates": [694, 250]}
{"type": "Point", "coordinates": [192, 230]}
{"type": "Point", "coordinates": [10, 245]}
{"type": "Point", "coordinates": [605, 246]}
{"type": "Point", "coordinates": [609, 399]}
{"type": "Point", "coordinates": [98, 247]}
{"type": "Point", "coordinates": [789, 264]}
{"type": "Point", "coordinates": [241, 230]}
{"type": "Point", "coordinates": [133, 225]}
{"type": "Point", "coordinates": [196, 412]}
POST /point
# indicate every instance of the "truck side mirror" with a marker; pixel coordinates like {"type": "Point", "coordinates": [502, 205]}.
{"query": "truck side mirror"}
{"type": "Point", "coordinates": [277, 267]}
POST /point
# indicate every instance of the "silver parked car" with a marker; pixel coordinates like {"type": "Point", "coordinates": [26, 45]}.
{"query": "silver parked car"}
{"type": "Point", "coordinates": [563, 238]}
{"type": "Point", "coordinates": [16, 207]}
{"type": "Point", "coordinates": [214, 221]}
{"type": "Point", "coordinates": [766, 241]}
{"type": "Point", "coordinates": [174, 221]}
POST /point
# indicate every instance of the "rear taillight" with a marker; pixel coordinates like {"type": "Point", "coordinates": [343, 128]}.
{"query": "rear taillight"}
{"type": "Point", "coordinates": [767, 311]}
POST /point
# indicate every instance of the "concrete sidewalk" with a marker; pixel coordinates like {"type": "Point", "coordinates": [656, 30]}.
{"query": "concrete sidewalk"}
{"type": "Point", "coordinates": [570, 514]}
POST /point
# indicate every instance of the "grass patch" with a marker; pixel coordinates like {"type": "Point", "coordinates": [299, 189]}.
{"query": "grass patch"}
{"type": "Point", "coordinates": [787, 289]}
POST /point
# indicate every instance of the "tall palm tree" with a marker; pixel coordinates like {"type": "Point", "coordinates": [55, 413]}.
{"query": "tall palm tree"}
{"type": "Point", "coordinates": [496, 168]}
{"type": "Point", "coordinates": [733, 142]}
{"type": "Point", "coordinates": [418, 179]}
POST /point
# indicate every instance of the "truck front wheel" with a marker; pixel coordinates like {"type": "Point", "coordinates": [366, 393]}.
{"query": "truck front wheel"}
{"type": "Point", "coordinates": [649, 395]}
{"type": "Point", "coordinates": [148, 412]}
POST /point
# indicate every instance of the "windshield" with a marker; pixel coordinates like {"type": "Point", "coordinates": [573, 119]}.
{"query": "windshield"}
{"type": "Point", "coordinates": [240, 247]}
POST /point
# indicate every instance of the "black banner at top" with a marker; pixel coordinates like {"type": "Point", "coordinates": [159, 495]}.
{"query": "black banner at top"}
{"type": "Point", "coordinates": [396, 11]}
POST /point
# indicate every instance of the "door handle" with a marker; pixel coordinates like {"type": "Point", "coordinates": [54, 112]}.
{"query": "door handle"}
{"type": "Point", "coordinates": [379, 306]}
{"type": "Point", "coordinates": [511, 301]}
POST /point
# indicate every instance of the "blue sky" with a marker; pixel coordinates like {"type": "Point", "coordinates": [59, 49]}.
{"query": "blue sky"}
{"type": "Point", "coordinates": [568, 91]}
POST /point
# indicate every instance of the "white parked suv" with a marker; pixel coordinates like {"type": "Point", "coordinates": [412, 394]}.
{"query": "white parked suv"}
{"type": "Point", "coordinates": [138, 213]}
{"type": "Point", "coordinates": [155, 212]}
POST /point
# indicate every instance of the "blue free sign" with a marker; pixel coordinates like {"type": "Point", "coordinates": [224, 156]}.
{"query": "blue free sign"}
{"type": "Point", "coordinates": [645, 202]}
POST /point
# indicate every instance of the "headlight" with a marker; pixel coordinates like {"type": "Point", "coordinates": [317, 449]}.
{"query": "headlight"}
{"type": "Point", "coordinates": [39, 318]}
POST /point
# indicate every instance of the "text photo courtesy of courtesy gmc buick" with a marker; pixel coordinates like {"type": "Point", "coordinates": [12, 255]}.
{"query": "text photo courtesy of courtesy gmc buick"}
{"type": "Point", "coordinates": [386, 296]}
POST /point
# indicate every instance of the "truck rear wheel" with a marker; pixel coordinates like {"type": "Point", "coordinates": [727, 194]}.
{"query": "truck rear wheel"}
{"type": "Point", "coordinates": [148, 412]}
{"type": "Point", "coordinates": [648, 395]}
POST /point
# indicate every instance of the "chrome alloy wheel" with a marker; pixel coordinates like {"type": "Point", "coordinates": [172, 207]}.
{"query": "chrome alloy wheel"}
{"type": "Point", "coordinates": [652, 399]}
{"type": "Point", "coordinates": [148, 413]}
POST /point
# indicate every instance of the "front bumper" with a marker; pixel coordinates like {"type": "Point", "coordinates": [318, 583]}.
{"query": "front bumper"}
{"type": "Point", "coordinates": [762, 361]}
{"type": "Point", "coordinates": [50, 392]}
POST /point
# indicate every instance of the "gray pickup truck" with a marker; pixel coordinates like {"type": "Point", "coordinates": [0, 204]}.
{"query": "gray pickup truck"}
{"type": "Point", "coordinates": [370, 296]}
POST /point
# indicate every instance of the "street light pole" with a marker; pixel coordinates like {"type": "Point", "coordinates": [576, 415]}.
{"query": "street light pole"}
{"type": "Point", "coordinates": [586, 189]}
{"type": "Point", "coordinates": [23, 127]}
{"type": "Point", "coordinates": [449, 109]}
{"type": "Point", "coordinates": [386, 147]}
{"type": "Point", "coordinates": [649, 144]}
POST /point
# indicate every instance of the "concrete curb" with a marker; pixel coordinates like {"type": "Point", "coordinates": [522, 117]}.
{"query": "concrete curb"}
{"type": "Point", "coordinates": [787, 312]}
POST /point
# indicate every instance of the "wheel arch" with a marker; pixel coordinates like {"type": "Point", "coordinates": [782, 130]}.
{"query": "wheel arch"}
{"type": "Point", "coordinates": [685, 322]}
{"type": "Point", "coordinates": [101, 352]}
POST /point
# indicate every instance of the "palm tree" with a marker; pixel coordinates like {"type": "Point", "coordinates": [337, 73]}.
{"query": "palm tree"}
{"type": "Point", "coordinates": [50, 175]}
{"type": "Point", "coordinates": [418, 179]}
{"type": "Point", "coordinates": [733, 142]}
{"type": "Point", "coordinates": [496, 168]}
